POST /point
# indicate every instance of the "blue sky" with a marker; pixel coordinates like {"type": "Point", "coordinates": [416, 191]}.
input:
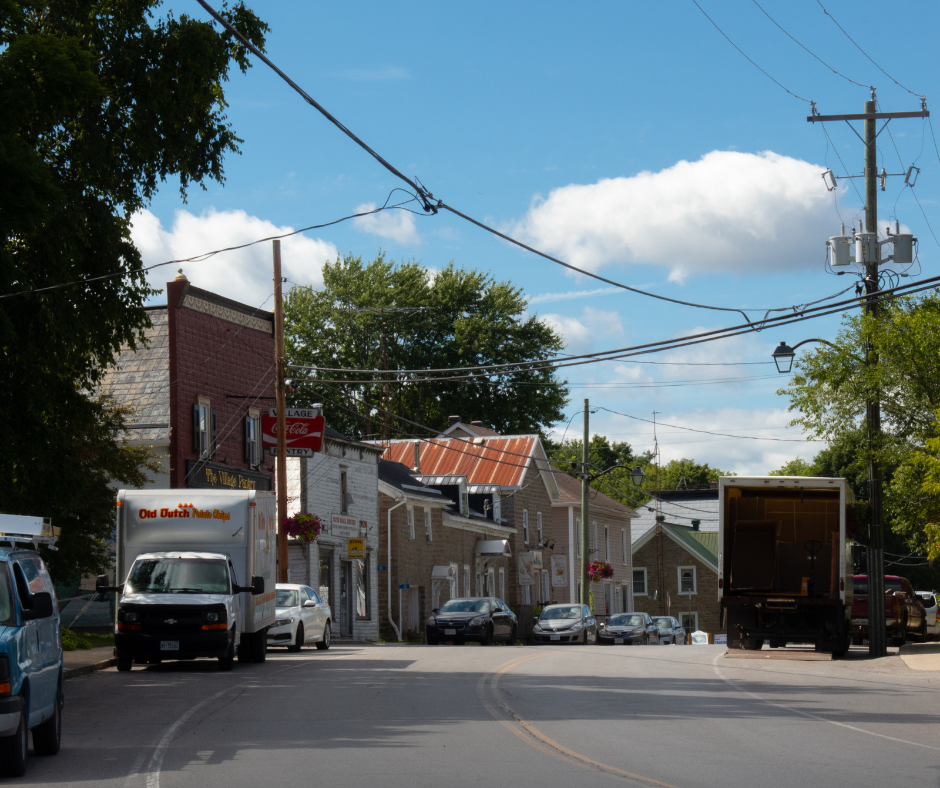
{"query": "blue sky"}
{"type": "Point", "coordinates": [629, 138]}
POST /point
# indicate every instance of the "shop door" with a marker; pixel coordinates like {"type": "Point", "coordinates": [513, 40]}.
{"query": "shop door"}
{"type": "Point", "coordinates": [346, 598]}
{"type": "Point", "coordinates": [327, 591]}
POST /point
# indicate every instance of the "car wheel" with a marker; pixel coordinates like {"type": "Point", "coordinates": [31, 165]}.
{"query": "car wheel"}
{"type": "Point", "coordinates": [124, 664]}
{"type": "Point", "coordinates": [47, 738]}
{"type": "Point", "coordinates": [324, 644]}
{"type": "Point", "coordinates": [512, 637]}
{"type": "Point", "coordinates": [487, 638]}
{"type": "Point", "coordinates": [298, 639]}
{"type": "Point", "coordinates": [259, 646]}
{"type": "Point", "coordinates": [13, 749]}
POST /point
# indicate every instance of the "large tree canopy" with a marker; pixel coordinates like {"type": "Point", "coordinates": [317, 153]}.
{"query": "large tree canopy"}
{"type": "Point", "coordinates": [451, 318]}
{"type": "Point", "coordinates": [102, 101]}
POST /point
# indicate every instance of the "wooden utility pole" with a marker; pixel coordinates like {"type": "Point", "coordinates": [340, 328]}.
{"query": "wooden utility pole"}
{"type": "Point", "coordinates": [281, 401]}
{"type": "Point", "coordinates": [585, 506]}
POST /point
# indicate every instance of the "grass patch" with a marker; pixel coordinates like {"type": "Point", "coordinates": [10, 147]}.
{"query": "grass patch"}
{"type": "Point", "coordinates": [82, 641]}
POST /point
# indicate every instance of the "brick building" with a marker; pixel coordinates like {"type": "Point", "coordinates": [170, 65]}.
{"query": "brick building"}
{"type": "Point", "coordinates": [610, 541]}
{"type": "Point", "coordinates": [675, 568]}
{"type": "Point", "coordinates": [196, 389]}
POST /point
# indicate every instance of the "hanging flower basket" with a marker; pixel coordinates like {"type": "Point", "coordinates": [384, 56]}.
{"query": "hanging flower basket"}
{"type": "Point", "coordinates": [599, 570]}
{"type": "Point", "coordinates": [303, 527]}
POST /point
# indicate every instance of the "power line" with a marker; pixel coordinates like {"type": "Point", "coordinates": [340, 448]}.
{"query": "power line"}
{"type": "Point", "coordinates": [834, 71]}
{"type": "Point", "coordinates": [919, 95]}
{"type": "Point", "coordinates": [748, 59]}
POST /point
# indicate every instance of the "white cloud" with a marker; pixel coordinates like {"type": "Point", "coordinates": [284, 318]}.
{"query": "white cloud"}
{"type": "Point", "coordinates": [547, 298]}
{"type": "Point", "coordinates": [594, 325]}
{"type": "Point", "coordinates": [728, 211]}
{"type": "Point", "coordinates": [397, 225]}
{"type": "Point", "coordinates": [243, 274]}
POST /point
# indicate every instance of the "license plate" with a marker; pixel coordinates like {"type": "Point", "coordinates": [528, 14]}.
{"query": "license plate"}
{"type": "Point", "coordinates": [450, 631]}
{"type": "Point", "coordinates": [618, 641]}
{"type": "Point", "coordinates": [554, 637]}
{"type": "Point", "coordinates": [169, 645]}
{"type": "Point", "coordinates": [859, 620]}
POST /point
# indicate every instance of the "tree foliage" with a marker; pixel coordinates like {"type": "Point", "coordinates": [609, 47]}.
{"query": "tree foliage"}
{"type": "Point", "coordinates": [452, 318]}
{"type": "Point", "coordinates": [102, 101]}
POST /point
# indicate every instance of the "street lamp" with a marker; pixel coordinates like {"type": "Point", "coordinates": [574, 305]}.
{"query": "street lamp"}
{"type": "Point", "coordinates": [637, 476]}
{"type": "Point", "coordinates": [783, 354]}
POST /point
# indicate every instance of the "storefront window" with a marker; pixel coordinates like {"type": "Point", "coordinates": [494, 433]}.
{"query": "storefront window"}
{"type": "Point", "coordinates": [361, 579]}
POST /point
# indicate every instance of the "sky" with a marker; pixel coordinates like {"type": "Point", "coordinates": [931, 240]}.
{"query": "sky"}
{"type": "Point", "coordinates": [629, 139]}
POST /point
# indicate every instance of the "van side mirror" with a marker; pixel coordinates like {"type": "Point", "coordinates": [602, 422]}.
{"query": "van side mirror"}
{"type": "Point", "coordinates": [257, 585]}
{"type": "Point", "coordinates": [103, 585]}
{"type": "Point", "coordinates": [40, 607]}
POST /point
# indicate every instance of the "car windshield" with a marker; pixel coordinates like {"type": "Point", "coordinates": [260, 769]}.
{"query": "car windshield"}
{"type": "Point", "coordinates": [664, 623]}
{"type": "Point", "coordinates": [627, 621]}
{"type": "Point", "coordinates": [560, 612]}
{"type": "Point", "coordinates": [465, 606]}
{"type": "Point", "coordinates": [177, 576]}
{"type": "Point", "coordinates": [6, 597]}
{"type": "Point", "coordinates": [892, 585]}
{"type": "Point", "coordinates": [285, 597]}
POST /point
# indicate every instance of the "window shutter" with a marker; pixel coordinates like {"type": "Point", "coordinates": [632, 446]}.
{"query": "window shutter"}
{"type": "Point", "coordinates": [215, 433]}
{"type": "Point", "coordinates": [196, 446]}
{"type": "Point", "coordinates": [247, 431]}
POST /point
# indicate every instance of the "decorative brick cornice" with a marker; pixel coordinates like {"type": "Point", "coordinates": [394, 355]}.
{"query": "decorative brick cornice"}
{"type": "Point", "coordinates": [224, 309]}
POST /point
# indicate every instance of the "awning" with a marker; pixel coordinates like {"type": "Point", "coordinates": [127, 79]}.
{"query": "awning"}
{"type": "Point", "coordinates": [493, 547]}
{"type": "Point", "coordinates": [442, 573]}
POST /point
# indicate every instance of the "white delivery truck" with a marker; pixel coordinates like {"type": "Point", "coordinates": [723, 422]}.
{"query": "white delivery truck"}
{"type": "Point", "coordinates": [196, 572]}
{"type": "Point", "coordinates": [784, 563]}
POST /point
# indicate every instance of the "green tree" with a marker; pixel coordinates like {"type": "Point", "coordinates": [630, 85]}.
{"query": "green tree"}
{"type": "Point", "coordinates": [454, 318]}
{"type": "Point", "coordinates": [102, 101]}
{"type": "Point", "coordinates": [795, 467]}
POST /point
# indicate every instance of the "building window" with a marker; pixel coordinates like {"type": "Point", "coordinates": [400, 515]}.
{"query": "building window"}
{"type": "Point", "coordinates": [411, 524]}
{"type": "Point", "coordinates": [427, 525]}
{"type": "Point", "coordinates": [502, 583]}
{"type": "Point", "coordinates": [623, 544]}
{"type": "Point", "coordinates": [361, 579]}
{"type": "Point", "coordinates": [464, 502]}
{"type": "Point", "coordinates": [538, 525]}
{"type": "Point", "coordinates": [689, 621]}
{"type": "Point", "coordinates": [490, 582]}
{"type": "Point", "coordinates": [606, 543]}
{"type": "Point", "coordinates": [466, 580]}
{"type": "Point", "coordinates": [204, 428]}
{"type": "Point", "coordinates": [639, 581]}
{"type": "Point", "coordinates": [343, 492]}
{"type": "Point", "coordinates": [577, 528]}
{"type": "Point", "coordinates": [525, 525]}
{"type": "Point", "coordinates": [253, 439]}
{"type": "Point", "coordinates": [593, 539]}
{"type": "Point", "coordinates": [626, 599]}
{"type": "Point", "coordinates": [497, 514]}
{"type": "Point", "coordinates": [687, 580]}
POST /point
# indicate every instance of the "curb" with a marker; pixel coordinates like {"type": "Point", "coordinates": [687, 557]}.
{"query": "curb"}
{"type": "Point", "coordinates": [73, 673]}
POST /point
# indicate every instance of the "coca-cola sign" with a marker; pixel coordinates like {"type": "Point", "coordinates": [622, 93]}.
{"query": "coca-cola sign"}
{"type": "Point", "coordinates": [303, 430]}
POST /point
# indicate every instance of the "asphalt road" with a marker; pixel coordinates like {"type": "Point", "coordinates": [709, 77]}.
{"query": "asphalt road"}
{"type": "Point", "coordinates": [417, 716]}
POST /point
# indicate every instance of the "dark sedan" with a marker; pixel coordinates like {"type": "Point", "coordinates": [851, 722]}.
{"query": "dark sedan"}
{"type": "Point", "coordinates": [565, 624]}
{"type": "Point", "coordinates": [482, 619]}
{"type": "Point", "coordinates": [629, 629]}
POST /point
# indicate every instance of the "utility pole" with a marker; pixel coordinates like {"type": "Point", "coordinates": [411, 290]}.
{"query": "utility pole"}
{"type": "Point", "coordinates": [386, 432]}
{"type": "Point", "coordinates": [281, 401]}
{"type": "Point", "coordinates": [585, 506]}
{"type": "Point", "coordinates": [877, 637]}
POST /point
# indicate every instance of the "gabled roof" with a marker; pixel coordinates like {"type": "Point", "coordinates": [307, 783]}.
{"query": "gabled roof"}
{"type": "Point", "coordinates": [399, 478]}
{"type": "Point", "coordinates": [570, 490]}
{"type": "Point", "coordinates": [703, 546]}
{"type": "Point", "coordinates": [461, 430]}
{"type": "Point", "coordinates": [703, 508]}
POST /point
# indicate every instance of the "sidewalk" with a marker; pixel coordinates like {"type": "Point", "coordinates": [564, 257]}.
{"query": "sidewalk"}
{"type": "Point", "coordinates": [921, 656]}
{"type": "Point", "coordinates": [78, 663]}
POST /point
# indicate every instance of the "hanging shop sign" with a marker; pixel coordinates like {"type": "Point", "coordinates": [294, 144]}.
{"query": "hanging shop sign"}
{"type": "Point", "coordinates": [526, 574]}
{"type": "Point", "coordinates": [303, 429]}
{"type": "Point", "coordinates": [355, 548]}
{"type": "Point", "coordinates": [559, 571]}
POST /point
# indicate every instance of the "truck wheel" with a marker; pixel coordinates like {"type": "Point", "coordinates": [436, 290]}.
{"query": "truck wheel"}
{"type": "Point", "coordinates": [124, 664]}
{"type": "Point", "coordinates": [244, 648]}
{"type": "Point", "coordinates": [323, 645]}
{"type": "Point", "coordinates": [47, 738]}
{"type": "Point", "coordinates": [775, 644]}
{"type": "Point", "coordinates": [13, 749]}
{"type": "Point", "coordinates": [259, 645]}
{"type": "Point", "coordinates": [298, 640]}
{"type": "Point", "coordinates": [227, 662]}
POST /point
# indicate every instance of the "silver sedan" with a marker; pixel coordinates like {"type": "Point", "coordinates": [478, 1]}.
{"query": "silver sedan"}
{"type": "Point", "coordinates": [670, 630]}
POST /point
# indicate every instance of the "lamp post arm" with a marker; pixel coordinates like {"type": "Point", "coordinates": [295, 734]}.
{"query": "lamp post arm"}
{"type": "Point", "coordinates": [823, 341]}
{"type": "Point", "coordinates": [594, 476]}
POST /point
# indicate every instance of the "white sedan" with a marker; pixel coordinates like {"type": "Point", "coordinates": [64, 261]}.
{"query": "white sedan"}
{"type": "Point", "coordinates": [302, 617]}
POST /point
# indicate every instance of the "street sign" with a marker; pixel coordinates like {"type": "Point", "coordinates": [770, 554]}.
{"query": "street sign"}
{"type": "Point", "coordinates": [403, 585]}
{"type": "Point", "coordinates": [304, 428]}
{"type": "Point", "coordinates": [381, 568]}
{"type": "Point", "coordinates": [355, 548]}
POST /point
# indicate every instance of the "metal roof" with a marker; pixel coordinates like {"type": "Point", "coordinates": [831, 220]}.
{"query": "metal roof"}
{"type": "Point", "coordinates": [491, 461]}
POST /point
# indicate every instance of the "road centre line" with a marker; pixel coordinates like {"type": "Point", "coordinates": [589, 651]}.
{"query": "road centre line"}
{"type": "Point", "coordinates": [534, 737]}
{"type": "Point", "coordinates": [154, 767]}
{"type": "Point", "coordinates": [812, 716]}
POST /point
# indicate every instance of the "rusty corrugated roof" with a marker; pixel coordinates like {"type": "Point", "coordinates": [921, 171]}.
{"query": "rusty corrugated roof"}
{"type": "Point", "coordinates": [491, 461]}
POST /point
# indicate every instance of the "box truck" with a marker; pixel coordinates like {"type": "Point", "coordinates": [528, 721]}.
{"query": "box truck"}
{"type": "Point", "coordinates": [784, 564]}
{"type": "Point", "coordinates": [196, 573]}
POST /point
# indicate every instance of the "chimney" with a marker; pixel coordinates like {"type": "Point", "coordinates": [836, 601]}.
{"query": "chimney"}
{"type": "Point", "coordinates": [476, 423]}
{"type": "Point", "coordinates": [453, 420]}
{"type": "Point", "coordinates": [696, 524]}
{"type": "Point", "coordinates": [417, 462]}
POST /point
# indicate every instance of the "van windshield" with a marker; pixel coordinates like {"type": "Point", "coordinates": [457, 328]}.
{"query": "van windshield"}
{"type": "Point", "coordinates": [177, 576]}
{"type": "Point", "coordinates": [6, 597]}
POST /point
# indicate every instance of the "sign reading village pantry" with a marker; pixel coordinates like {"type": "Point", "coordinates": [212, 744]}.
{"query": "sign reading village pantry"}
{"type": "Point", "coordinates": [211, 475]}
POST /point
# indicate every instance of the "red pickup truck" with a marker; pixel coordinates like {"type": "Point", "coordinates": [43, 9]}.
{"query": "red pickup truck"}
{"type": "Point", "coordinates": [905, 616]}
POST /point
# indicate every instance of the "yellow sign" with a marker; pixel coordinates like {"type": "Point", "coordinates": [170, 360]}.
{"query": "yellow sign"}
{"type": "Point", "coordinates": [356, 548]}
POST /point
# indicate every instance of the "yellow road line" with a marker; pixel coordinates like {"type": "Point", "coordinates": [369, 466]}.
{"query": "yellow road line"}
{"type": "Point", "coordinates": [533, 736]}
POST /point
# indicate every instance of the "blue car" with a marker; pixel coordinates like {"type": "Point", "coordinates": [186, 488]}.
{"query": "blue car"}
{"type": "Point", "coordinates": [31, 663]}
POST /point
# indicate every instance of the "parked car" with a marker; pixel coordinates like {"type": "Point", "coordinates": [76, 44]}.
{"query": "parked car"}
{"type": "Point", "coordinates": [905, 617]}
{"type": "Point", "coordinates": [31, 664]}
{"type": "Point", "coordinates": [565, 624]}
{"type": "Point", "coordinates": [670, 630]}
{"type": "Point", "coordinates": [302, 617]}
{"type": "Point", "coordinates": [482, 619]}
{"type": "Point", "coordinates": [627, 629]}
{"type": "Point", "coordinates": [929, 598]}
